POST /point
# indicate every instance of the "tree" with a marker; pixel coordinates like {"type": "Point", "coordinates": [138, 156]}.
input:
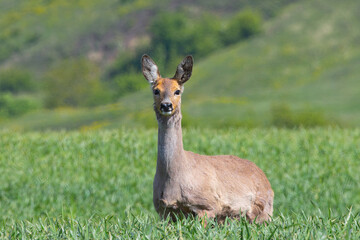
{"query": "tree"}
{"type": "Point", "coordinates": [242, 26]}
{"type": "Point", "coordinates": [74, 82]}
{"type": "Point", "coordinates": [16, 80]}
{"type": "Point", "coordinates": [169, 33]}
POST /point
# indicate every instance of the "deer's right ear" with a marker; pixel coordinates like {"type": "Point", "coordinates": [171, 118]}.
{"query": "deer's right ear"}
{"type": "Point", "coordinates": [149, 69]}
{"type": "Point", "coordinates": [184, 70]}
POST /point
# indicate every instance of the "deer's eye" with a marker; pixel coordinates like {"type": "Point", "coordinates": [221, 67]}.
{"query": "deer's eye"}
{"type": "Point", "coordinates": [156, 92]}
{"type": "Point", "coordinates": [177, 92]}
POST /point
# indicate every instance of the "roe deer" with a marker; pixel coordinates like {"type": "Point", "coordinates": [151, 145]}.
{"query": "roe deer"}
{"type": "Point", "coordinates": [192, 184]}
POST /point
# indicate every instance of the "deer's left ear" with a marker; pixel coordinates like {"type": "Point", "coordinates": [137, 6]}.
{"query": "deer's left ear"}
{"type": "Point", "coordinates": [184, 70]}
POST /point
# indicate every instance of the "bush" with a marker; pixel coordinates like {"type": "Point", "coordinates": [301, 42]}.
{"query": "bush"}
{"type": "Point", "coordinates": [242, 26]}
{"type": "Point", "coordinates": [169, 33]}
{"type": "Point", "coordinates": [74, 83]}
{"type": "Point", "coordinates": [283, 116]}
{"type": "Point", "coordinates": [309, 117]}
{"type": "Point", "coordinates": [15, 81]}
{"type": "Point", "coordinates": [204, 37]}
{"type": "Point", "coordinates": [128, 83]}
{"type": "Point", "coordinates": [128, 62]}
{"type": "Point", "coordinates": [174, 35]}
{"type": "Point", "coordinates": [13, 106]}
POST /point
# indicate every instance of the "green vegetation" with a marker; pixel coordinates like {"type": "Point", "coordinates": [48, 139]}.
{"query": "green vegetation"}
{"type": "Point", "coordinates": [13, 106]}
{"type": "Point", "coordinates": [39, 32]}
{"type": "Point", "coordinates": [55, 51]}
{"type": "Point", "coordinates": [16, 88]}
{"type": "Point", "coordinates": [149, 227]}
{"type": "Point", "coordinates": [304, 62]}
{"type": "Point", "coordinates": [244, 25]}
{"type": "Point", "coordinates": [76, 65]}
{"type": "Point", "coordinates": [174, 35]}
{"type": "Point", "coordinates": [94, 184]}
{"type": "Point", "coordinates": [74, 83]}
{"type": "Point", "coordinates": [199, 37]}
{"type": "Point", "coordinates": [283, 116]}
{"type": "Point", "coordinates": [16, 80]}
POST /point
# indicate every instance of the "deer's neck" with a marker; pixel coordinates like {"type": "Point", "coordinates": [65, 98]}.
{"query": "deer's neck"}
{"type": "Point", "coordinates": [170, 145]}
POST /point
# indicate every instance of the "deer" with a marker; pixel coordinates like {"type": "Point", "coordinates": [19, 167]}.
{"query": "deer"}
{"type": "Point", "coordinates": [189, 184]}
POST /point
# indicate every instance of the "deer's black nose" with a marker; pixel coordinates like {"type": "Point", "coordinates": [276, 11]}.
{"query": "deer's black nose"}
{"type": "Point", "coordinates": [166, 107]}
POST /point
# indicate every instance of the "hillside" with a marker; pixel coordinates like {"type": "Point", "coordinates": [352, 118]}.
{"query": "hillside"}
{"type": "Point", "coordinates": [304, 66]}
{"type": "Point", "coordinates": [308, 59]}
{"type": "Point", "coordinates": [36, 34]}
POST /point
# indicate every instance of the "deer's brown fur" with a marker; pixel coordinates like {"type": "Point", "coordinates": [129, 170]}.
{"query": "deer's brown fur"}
{"type": "Point", "coordinates": [192, 184]}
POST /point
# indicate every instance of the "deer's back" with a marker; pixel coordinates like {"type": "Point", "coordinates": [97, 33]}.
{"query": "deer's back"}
{"type": "Point", "coordinates": [230, 171]}
{"type": "Point", "coordinates": [232, 184]}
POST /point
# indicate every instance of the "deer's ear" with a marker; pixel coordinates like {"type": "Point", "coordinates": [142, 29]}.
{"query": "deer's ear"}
{"type": "Point", "coordinates": [149, 69]}
{"type": "Point", "coordinates": [184, 70]}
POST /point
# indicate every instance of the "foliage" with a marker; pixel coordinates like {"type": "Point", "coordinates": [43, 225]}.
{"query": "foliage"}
{"type": "Point", "coordinates": [38, 34]}
{"type": "Point", "coordinates": [124, 76]}
{"type": "Point", "coordinates": [75, 28]}
{"type": "Point", "coordinates": [16, 80]}
{"type": "Point", "coordinates": [127, 83]}
{"type": "Point", "coordinates": [289, 63]}
{"type": "Point", "coordinates": [283, 116]}
{"type": "Point", "coordinates": [14, 106]}
{"type": "Point", "coordinates": [169, 32]}
{"type": "Point", "coordinates": [88, 184]}
{"type": "Point", "coordinates": [13, 84]}
{"type": "Point", "coordinates": [302, 58]}
{"type": "Point", "coordinates": [243, 25]}
{"type": "Point", "coordinates": [204, 36]}
{"type": "Point", "coordinates": [74, 82]}
{"type": "Point", "coordinates": [58, 26]}
{"type": "Point", "coordinates": [126, 63]}
{"type": "Point", "coordinates": [175, 35]}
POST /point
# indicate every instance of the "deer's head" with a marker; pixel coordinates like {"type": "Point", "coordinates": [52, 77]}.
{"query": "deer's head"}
{"type": "Point", "coordinates": [167, 91]}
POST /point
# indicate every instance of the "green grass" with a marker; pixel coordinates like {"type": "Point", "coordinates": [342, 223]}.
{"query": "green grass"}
{"type": "Point", "coordinates": [97, 184]}
{"type": "Point", "coordinates": [149, 227]}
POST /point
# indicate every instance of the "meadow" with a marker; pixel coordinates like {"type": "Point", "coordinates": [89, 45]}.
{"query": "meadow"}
{"type": "Point", "coordinates": [98, 184]}
{"type": "Point", "coordinates": [86, 172]}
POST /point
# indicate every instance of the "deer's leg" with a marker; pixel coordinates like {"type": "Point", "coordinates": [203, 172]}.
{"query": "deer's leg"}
{"type": "Point", "coordinates": [204, 215]}
{"type": "Point", "coordinates": [257, 212]}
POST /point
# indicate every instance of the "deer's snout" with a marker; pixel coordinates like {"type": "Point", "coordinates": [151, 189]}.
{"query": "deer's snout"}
{"type": "Point", "coordinates": [166, 107]}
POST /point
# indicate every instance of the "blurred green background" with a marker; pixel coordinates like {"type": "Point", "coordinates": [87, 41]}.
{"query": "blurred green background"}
{"type": "Point", "coordinates": [76, 64]}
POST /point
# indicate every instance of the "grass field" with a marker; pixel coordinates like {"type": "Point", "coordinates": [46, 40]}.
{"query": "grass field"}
{"type": "Point", "coordinates": [98, 184]}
